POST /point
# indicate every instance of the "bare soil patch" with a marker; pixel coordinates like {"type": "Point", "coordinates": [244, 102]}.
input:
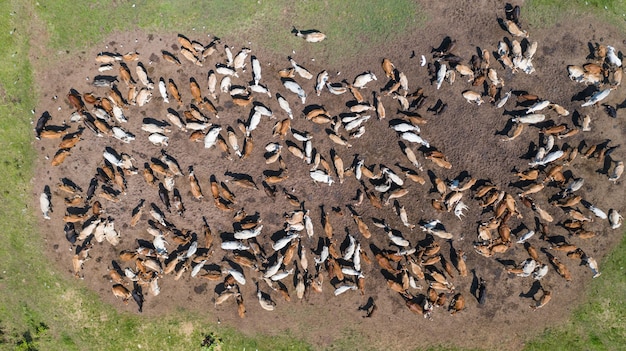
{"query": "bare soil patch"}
{"type": "Point", "coordinates": [467, 134]}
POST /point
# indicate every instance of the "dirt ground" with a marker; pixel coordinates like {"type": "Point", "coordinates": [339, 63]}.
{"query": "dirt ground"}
{"type": "Point", "coordinates": [469, 136]}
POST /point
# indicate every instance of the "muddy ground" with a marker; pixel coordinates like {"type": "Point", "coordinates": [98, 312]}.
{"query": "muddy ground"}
{"type": "Point", "coordinates": [469, 136]}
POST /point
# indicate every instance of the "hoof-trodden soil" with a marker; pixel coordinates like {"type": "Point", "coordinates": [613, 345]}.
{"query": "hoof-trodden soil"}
{"type": "Point", "coordinates": [468, 135]}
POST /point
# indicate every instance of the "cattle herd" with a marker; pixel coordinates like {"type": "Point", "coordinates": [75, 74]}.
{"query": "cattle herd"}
{"type": "Point", "coordinates": [222, 109]}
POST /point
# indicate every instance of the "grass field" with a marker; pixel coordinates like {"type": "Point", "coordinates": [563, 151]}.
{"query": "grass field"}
{"type": "Point", "coordinates": [40, 310]}
{"type": "Point", "coordinates": [545, 13]}
{"type": "Point", "coordinates": [351, 25]}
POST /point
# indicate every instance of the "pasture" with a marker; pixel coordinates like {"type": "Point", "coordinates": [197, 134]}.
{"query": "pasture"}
{"type": "Point", "coordinates": [44, 307]}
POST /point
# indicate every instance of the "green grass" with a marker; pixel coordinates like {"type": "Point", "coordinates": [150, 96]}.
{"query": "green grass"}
{"type": "Point", "coordinates": [600, 323]}
{"type": "Point", "coordinates": [546, 13]}
{"type": "Point", "coordinates": [16, 160]}
{"type": "Point", "coordinates": [82, 25]}
{"type": "Point", "coordinates": [351, 27]}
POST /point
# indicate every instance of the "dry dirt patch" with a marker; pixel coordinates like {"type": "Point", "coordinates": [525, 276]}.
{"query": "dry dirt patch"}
{"type": "Point", "coordinates": [465, 133]}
